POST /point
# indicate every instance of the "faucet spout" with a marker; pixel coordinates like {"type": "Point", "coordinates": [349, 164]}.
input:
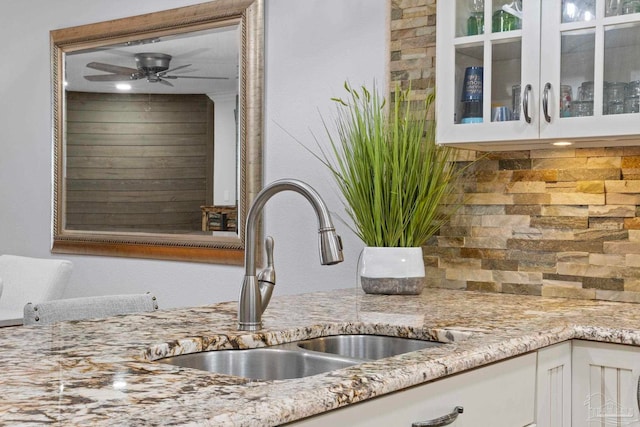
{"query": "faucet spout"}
{"type": "Point", "coordinates": [250, 304]}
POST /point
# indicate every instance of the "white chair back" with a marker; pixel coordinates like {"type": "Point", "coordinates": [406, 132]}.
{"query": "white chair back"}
{"type": "Point", "coordinates": [30, 279]}
{"type": "Point", "coordinates": [47, 312]}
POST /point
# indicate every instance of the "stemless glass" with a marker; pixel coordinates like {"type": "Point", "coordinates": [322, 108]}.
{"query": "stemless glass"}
{"type": "Point", "coordinates": [614, 97]}
{"type": "Point", "coordinates": [582, 108]}
{"type": "Point", "coordinates": [585, 91]}
{"type": "Point", "coordinates": [632, 104]}
{"type": "Point", "coordinates": [612, 8]}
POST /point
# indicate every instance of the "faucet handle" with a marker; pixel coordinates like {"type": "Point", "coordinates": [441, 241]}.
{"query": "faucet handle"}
{"type": "Point", "coordinates": [267, 277]}
{"type": "Point", "coordinates": [268, 244]}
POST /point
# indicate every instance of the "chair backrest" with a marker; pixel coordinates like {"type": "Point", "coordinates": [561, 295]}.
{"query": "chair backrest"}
{"type": "Point", "coordinates": [32, 279]}
{"type": "Point", "coordinates": [47, 312]}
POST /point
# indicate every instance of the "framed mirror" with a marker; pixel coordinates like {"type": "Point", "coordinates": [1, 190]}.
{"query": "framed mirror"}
{"type": "Point", "coordinates": [157, 127]}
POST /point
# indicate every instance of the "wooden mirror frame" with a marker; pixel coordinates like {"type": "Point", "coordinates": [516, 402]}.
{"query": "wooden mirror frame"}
{"type": "Point", "coordinates": [249, 15]}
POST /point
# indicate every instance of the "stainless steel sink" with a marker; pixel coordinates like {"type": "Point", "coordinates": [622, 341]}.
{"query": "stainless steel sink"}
{"type": "Point", "coordinates": [270, 363]}
{"type": "Point", "coordinates": [365, 346]}
{"type": "Point", "coordinates": [299, 359]}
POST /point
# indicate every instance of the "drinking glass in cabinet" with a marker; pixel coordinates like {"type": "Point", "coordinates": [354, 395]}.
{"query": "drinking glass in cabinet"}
{"type": "Point", "coordinates": [632, 104]}
{"type": "Point", "coordinates": [612, 7]}
{"type": "Point", "coordinates": [614, 95]}
{"type": "Point", "coordinates": [500, 113]}
{"type": "Point", "coordinates": [472, 95]}
{"type": "Point", "coordinates": [633, 88]}
{"type": "Point", "coordinates": [582, 108]}
{"type": "Point", "coordinates": [507, 18]}
{"type": "Point", "coordinates": [632, 97]}
{"type": "Point", "coordinates": [566, 96]}
{"type": "Point", "coordinates": [585, 91]}
{"type": "Point", "coordinates": [475, 22]}
{"type": "Point", "coordinates": [630, 6]}
{"type": "Point", "coordinates": [515, 102]}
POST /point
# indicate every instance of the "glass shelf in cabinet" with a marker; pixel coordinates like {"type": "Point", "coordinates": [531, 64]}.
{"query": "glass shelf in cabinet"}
{"type": "Point", "coordinates": [472, 50]}
{"type": "Point", "coordinates": [623, 35]}
{"type": "Point", "coordinates": [507, 50]}
{"type": "Point", "coordinates": [578, 41]}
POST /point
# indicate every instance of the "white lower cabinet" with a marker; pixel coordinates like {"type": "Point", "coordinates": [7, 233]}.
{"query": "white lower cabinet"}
{"type": "Point", "coordinates": [497, 395]}
{"type": "Point", "coordinates": [553, 389]}
{"type": "Point", "coordinates": [605, 384]}
{"type": "Point", "coordinates": [572, 384]}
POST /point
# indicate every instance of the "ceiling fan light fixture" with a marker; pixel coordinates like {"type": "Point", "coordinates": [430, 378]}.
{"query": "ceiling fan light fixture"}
{"type": "Point", "coordinates": [151, 63]}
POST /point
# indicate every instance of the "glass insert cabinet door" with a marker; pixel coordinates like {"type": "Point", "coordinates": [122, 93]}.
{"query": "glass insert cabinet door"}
{"type": "Point", "coordinates": [594, 71]}
{"type": "Point", "coordinates": [487, 54]}
{"type": "Point", "coordinates": [537, 70]}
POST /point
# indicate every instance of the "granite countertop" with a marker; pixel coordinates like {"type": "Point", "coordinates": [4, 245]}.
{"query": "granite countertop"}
{"type": "Point", "coordinates": [100, 372]}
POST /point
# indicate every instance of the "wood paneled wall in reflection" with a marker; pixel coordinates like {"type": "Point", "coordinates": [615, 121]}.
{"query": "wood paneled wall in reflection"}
{"type": "Point", "coordinates": [138, 161]}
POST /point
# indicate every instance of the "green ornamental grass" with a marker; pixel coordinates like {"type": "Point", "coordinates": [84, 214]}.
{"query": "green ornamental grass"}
{"type": "Point", "coordinates": [389, 169]}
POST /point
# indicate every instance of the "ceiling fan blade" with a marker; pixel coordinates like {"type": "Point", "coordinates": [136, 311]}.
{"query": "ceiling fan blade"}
{"type": "Point", "coordinates": [109, 68]}
{"type": "Point", "coordinates": [162, 73]}
{"type": "Point", "coordinates": [195, 77]}
{"type": "Point", "coordinates": [164, 82]}
{"type": "Point", "coordinates": [109, 78]}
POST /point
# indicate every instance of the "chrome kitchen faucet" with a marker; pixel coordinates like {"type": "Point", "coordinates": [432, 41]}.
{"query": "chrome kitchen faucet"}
{"type": "Point", "coordinates": [256, 291]}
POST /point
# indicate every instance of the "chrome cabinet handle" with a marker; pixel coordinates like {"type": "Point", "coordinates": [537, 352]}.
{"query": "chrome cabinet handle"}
{"type": "Point", "coordinates": [445, 420]}
{"type": "Point", "coordinates": [525, 103]}
{"type": "Point", "coordinates": [545, 102]}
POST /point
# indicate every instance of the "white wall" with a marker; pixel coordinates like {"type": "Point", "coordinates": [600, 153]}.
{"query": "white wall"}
{"type": "Point", "coordinates": [312, 46]}
{"type": "Point", "coordinates": [225, 154]}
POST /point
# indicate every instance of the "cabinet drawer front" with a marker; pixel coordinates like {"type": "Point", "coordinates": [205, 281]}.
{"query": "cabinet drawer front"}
{"type": "Point", "coordinates": [499, 395]}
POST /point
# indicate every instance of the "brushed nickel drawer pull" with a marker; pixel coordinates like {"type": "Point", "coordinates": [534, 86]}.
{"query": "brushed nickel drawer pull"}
{"type": "Point", "coordinates": [440, 421]}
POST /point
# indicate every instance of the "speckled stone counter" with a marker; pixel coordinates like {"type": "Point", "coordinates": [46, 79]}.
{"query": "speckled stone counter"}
{"type": "Point", "coordinates": [101, 372]}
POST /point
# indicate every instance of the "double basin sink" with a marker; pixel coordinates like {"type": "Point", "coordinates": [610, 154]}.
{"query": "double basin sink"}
{"type": "Point", "coordinates": [301, 358]}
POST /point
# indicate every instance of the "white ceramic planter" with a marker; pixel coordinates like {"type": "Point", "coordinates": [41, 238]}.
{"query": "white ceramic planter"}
{"type": "Point", "coordinates": [392, 270]}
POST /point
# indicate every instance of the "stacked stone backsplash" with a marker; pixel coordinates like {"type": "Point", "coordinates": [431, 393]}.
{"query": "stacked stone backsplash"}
{"type": "Point", "coordinates": [560, 222]}
{"type": "Point", "coordinates": [545, 222]}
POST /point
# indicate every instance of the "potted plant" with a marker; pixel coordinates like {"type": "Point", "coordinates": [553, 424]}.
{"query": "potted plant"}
{"type": "Point", "coordinates": [393, 178]}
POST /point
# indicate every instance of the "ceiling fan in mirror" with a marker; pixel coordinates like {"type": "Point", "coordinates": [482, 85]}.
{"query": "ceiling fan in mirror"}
{"type": "Point", "coordinates": [154, 67]}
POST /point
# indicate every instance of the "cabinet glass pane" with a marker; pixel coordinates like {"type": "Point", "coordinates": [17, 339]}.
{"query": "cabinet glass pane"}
{"type": "Point", "coordinates": [578, 10]}
{"type": "Point", "coordinates": [469, 17]}
{"type": "Point", "coordinates": [621, 69]}
{"type": "Point", "coordinates": [576, 73]}
{"type": "Point", "coordinates": [505, 80]}
{"type": "Point", "coordinates": [469, 90]}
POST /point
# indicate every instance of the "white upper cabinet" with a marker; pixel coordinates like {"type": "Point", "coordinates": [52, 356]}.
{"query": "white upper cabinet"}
{"type": "Point", "coordinates": [521, 74]}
